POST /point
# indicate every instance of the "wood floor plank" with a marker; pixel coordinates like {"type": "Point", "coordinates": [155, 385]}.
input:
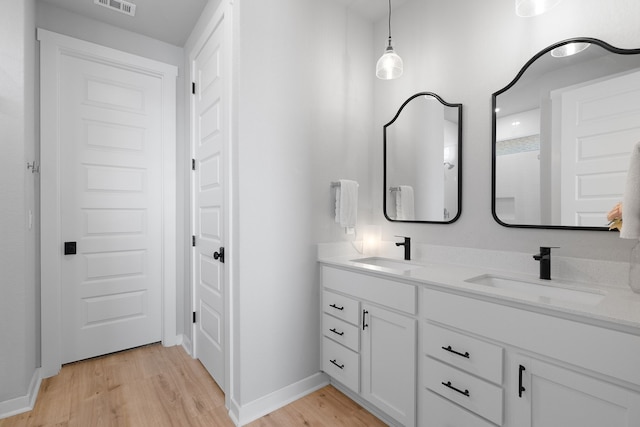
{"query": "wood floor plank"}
{"type": "Point", "coordinates": [155, 386]}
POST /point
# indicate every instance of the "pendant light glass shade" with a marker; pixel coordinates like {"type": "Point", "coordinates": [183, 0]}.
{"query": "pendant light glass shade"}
{"type": "Point", "coordinates": [389, 65]}
{"type": "Point", "coordinates": [528, 8]}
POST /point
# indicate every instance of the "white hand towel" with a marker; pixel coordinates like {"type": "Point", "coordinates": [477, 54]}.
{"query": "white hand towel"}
{"type": "Point", "coordinates": [347, 203]}
{"type": "Point", "coordinates": [404, 203]}
{"type": "Point", "coordinates": [631, 199]}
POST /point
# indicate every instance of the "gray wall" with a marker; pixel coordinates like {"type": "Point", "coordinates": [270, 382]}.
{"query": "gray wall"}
{"type": "Point", "coordinates": [464, 51]}
{"type": "Point", "coordinates": [303, 110]}
{"type": "Point", "coordinates": [18, 260]}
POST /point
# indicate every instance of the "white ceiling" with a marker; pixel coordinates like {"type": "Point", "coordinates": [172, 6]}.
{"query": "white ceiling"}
{"type": "Point", "coordinates": [170, 21]}
{"type": "Point", "coordinates": [373, 10]}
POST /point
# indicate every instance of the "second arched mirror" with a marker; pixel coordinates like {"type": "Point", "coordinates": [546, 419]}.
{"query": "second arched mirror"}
{"type": "Point", "coordinates": [422, 161]}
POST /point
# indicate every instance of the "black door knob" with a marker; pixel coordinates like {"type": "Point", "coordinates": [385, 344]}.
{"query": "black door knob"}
{"type": "Point", "coordinates": [219, 255]}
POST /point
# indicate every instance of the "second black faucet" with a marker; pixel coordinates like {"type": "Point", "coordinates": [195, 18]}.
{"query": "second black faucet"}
{"type": "Point", "coordinates": [407, 247]}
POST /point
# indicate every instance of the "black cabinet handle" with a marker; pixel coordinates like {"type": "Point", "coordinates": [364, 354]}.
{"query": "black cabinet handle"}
{"type": "Point", "coordinates": [336, 307]}
{"type": "Point", "coordinates": [450, 350]}
{"type": "Point", "coordinates": [448, 384]}
{"type": "Point", "coordinates": [520, 387]}
{"type": "Point", "coordinates": [336, 332]}
{"type": "Point", "coordinates": [364, 317]}
{"type": "Point", "coordinates": [336, 363]}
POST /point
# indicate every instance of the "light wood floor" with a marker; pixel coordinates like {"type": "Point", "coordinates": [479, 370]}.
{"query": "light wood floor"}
{"type": "Point", "coordinates": [158, 386]}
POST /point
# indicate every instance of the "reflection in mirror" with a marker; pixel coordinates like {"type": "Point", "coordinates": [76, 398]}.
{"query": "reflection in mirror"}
{"type": "Point", "coordinates": [563, 131]}
{"type": "Point", "coordinates": [422, 161]}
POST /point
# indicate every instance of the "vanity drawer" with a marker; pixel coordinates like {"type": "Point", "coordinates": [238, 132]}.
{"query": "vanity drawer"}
{"type": "Point", "coordinates": [341, 363]}
{"type": "Point", "coordinates": [341, 331]}
{"type": "Point", "coordinates": [440, 412]}
{"type": "Point", "coordinates": [340, 306]}
{"type": "Point", "coordinates": [485, 399]}
{"type": "Point", "coordinates": [389, 293]}
{"type": "Point", "coordinates": [470, 354]}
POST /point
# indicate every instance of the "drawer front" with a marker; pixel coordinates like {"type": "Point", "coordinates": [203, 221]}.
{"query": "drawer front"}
{"type": "Point", "coordinates": [341, 331]}
{"type": "Point", "coordinates": [485, 399]}
{"type": "Point", "coordinates": [342, 307]}
{"type": "Point", "coordinates": [440, 412]}
{"type": "Point", "coordinates": [397, 295]}
{"type": "Point", "coordinates": [490, 319]}
{"type": "Point", "coordinates": [478, 357]}
{"type": "Point", "coordinates": [341, 363]}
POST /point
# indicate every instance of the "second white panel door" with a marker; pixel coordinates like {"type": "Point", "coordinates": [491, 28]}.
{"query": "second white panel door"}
{"type": "Point", "coordinates": [209, 134]}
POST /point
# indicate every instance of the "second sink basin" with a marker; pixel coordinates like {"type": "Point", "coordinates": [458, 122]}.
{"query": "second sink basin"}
{"type": "Point", "coordinates": [393, 264]}
{"type": "Point", "coordinates": [544, 292]}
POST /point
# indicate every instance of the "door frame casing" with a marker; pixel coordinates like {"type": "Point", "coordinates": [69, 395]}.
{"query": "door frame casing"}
{"type": "Point", "coordinates": [52, 46]}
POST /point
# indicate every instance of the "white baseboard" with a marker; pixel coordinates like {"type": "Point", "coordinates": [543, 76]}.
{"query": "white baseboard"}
{"type": "Point", "coordinates": [244, 414]}
{"type": "Point", "coordinates": [21, 404]}
{"type": "Point", "coordinates": [186, 345]}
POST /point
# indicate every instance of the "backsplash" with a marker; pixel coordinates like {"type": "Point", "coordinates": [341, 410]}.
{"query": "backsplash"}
{"type": "Point", "coordinates": [605, 273]}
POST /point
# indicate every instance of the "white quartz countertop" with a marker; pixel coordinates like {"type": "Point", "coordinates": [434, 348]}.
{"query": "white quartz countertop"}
{"type": "Point", "coordinates": [619, 309]}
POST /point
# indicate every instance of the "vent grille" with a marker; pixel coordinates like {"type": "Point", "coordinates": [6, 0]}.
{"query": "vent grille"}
{"type": "Point", "coordinates": [121, 6]}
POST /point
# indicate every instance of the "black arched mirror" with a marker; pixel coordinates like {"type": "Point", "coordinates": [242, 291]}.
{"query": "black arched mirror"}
{"type": "Point", "coordinates": [563, 131]}
{"type": "Point", "coordinates": [422, 161]}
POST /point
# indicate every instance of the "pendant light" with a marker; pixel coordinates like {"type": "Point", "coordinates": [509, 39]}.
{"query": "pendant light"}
{"type": "Point", "coordinates": [528, 8]}
{"type": "Point", "coordinates": [389, 65]}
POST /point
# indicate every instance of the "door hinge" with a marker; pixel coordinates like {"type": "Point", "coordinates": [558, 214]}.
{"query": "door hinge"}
{"type": "Point", "coordinates": [193, 240]}
{"type": "Point", "coordinates": [194, 317]}
{"type": "Point", "coordinates": [193, 88]}
{"type": "Point", "coordinates": [193, 164]}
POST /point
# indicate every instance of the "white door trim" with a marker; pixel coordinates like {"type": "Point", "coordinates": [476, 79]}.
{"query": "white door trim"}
{"type": "Point", "coordinates": [52, 45]}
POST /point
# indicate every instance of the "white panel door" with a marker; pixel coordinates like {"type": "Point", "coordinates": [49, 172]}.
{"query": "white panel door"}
{"type": "Point", "coordinates": [208, 203]}
{"type": "Point", "coordinates": [600, 126]}
{"type": "Point", "coordinates": [111, 205]}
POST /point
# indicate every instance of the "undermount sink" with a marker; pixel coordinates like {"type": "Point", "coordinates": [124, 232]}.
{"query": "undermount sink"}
{"type": "Point", "coordinates": [393, 264]}
{"type": "Point", "coordinates": [544, 292]}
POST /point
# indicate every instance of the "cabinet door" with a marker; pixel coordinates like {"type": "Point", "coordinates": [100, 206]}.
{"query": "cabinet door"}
{"type": "Point", "coordinates": [554, 396]}
{"type": "Point", "coordinates": [388, 362]}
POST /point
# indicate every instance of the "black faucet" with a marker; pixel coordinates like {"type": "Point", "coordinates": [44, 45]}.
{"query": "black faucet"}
{"type": "Point", "coordinates": [545, 261]}
{"type": "Point", "coordinates": [407, 247]}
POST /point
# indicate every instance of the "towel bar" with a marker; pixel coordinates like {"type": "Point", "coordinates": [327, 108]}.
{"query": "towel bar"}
{"type": "Point", "coordinates": [392, 189]}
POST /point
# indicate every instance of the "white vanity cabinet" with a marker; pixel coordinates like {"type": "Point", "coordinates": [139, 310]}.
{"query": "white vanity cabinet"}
{"type": "Point", "coordinates": [531, 369]}
{"type": "Point", "coordinates": [386, 326]}
{"type": "Point", "coordinates": [555, 396]}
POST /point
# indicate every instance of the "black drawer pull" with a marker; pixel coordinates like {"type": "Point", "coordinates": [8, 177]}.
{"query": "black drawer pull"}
{"type": "Point", "coordinates": [448, 384]}
{"type": "Point", "coordinates": [336, 332]}
{"type": "Point", "coordinates": [336, 307]}
{"type": "Point", "coordinates": [450, 350]}
{"type": "Point", "coordinates": [336, 363]}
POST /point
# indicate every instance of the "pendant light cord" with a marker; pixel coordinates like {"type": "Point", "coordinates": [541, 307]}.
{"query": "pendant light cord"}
{"type": "Point", "coordinates": [389, 23]}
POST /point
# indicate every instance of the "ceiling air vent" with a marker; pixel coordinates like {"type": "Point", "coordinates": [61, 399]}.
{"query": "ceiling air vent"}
{"type": "Point", "coordinates": [122, 6]}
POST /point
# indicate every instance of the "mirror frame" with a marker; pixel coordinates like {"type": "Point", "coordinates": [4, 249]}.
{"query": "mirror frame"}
{"type": "Point", "coordinates": [494, 96]}
{"type": "Point", "coordinates": [459, 147]}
